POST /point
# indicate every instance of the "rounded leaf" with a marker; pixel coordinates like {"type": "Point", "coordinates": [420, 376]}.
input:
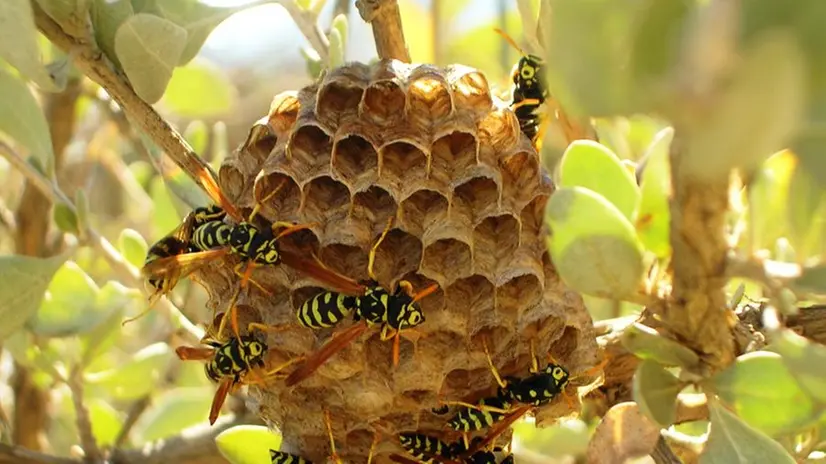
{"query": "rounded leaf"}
{"type": "Point", "coordinates": [763, 393]}
{"type": "Point", "coordinates": [138, 376]}
{"type": "Point", "coordinates": [22, 120]}
{"type": "Point", "coordinates": [768, 200]}
{"type": "Point", "coordinates": [149, 48]}
{"type": "Point", "coordinates": [652, 222]}
{"type": "Point", "coordinates": [133, 247]}
{"type": "Point", "coordinates": [593, 246]}
{"type": "Point", "coordinates": [655, 391]}
{"type": "Point", "coordinates": [65, 218]}
{"type": "Point", "coordinates": [18, 42]}
{"type": "Point", "coordinates": [174, 411]}
{"type": "Point", "coordinates": [106, 421]}
{"type": "Point", "coordinates": [646, 343]}
{"type": "Point", "coordinates": [199, 90]}
{"type": "Point", "coordinates": [594, 166]}
{"type": "Point", "coordinates": [805, 360]}
{"type": "Point", "coordinates": [70, 304]}
{"type": "Point", "coordinates": [806, 212]}
{"type": "Point", "coordinates": [25, 280]}
{"type": "Point", "coordinates": [247, 444]}
{"type": "Point", "coordinates": [107, 17]}
{"type": "Point", "coordinates": [197, 135]}
{"type": "Point", "coordinates": [732, 441]}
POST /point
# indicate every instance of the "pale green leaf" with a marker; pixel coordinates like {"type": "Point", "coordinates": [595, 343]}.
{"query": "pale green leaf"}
{"type": "Point", "coordinates": [69, 305]}
{"type": "Point", "coordinates": [199, 90]}
{"type": "Point", "coordinates": [806, 210]}
{"type": "Point", "coordinates": [732, 441]}
{"type": "Point", "coordinates": [737, 132]}
{"type": "Point", "coordinates": [137, 377]}
{"type": "Point", "coordinates": [646, 343]}
{"type": "Point", "coordinates": [107, 17]}
{"type": "Point", "coordinates": [18, 42]}
{"type": "Point", "coordinates": [174, 411]}
{"type": "Point", "coordinates": [768, 200]}
{"type": "Point", "coordinates": [763, 393]}
{"type": "Point", "coordinates": [655, 391]}
{"type": "Point", "coordinates": [22, 120]}
{"type": "Point", "coordinates": [806, 361]}
{"type": "Point", "coordinates": [82, 209]}
{"type": "Point", "coordinates": [133, 247]}
{"type": "Point", "coordinates": [652, 222]}
{"type": "Point", "coordinates": [811, 280]}
{"type": "Point", "coordinates": [593, 246]}
{"type": "Point", "coordinates": [70, 14]}
{"type": "Point", "coordinates": [149, 48]}
{"type": "Point", "coordinates": [591, 165]}
{"type": "Point", "coordinates": [247, 444]}
{"type": "Point", "coordinates": [25, 280]}
{"type": "Point", "coordinates": [102, 338]}
{"type": "Point", "coordinates": [336, 52]}
{"type": "Point", "coordinates": [197, 135]}
{"type": "Point", "coordinates": [106, 421]}
{"type": "Point", "coordinates": [65, 218]}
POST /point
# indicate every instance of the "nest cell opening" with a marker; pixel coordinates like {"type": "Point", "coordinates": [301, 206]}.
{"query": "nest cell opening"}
{"type": "Point", "coordinates": [322, 196]}
{"type": "Point", "coordinates": [430, 99]}
{"type": "Point", "coordinates": [279, 196]}
{"type": "Point", "coordinates": [480, 194]}
{"type": "Point", "coordinates": [469, 294]}
{"type": "Point", "coordinates": [232, 179]}
{"type": "Point", "coordinates": [520, 171]}
{"type": "Point", "coordinates": [471, 92]}
{"type": "Point", "coordinates": [422, 210]}
{"type": "Point", "coordinates": [402, 164]}
{"type": "Point", "coordinates": [446, 258]}
{"type": "Point", "coordinates": [518, 294]}
{"type": "Point", "coordinates": [347, 260]}
{"type": "Point", "coordinates": [337, 101]}
{"type": "Point", "coordinates": [375, 204]}
{"type": "Point", "coordinates": [383, 103]}
{"type": "Point", "coordinates": [494, 240]}
{"type": "Point", "coordinates": [452, 154]}
{"type": "Point", "coordinates": [398, 254]}
{"type": "Point", "coordinates": [310, 147]}
{"type": "Point", "coordinates": [355, 160]}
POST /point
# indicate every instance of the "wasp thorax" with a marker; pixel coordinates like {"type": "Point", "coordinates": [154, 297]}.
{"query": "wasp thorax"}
{"type": "Point", "coordinates": [431, 148]}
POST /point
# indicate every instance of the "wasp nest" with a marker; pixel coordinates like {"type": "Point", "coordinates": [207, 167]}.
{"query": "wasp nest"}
{"type": "Point", "coordinates": [431, 148]}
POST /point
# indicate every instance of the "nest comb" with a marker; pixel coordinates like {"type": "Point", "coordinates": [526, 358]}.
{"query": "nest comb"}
{"type": "Point", "coordinates": [432, 148]}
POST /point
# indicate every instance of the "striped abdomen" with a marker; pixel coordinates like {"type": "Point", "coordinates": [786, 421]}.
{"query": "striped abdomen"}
{"type": "Point", "coordinates": [468, 419]}
{"type": "Point", "coordinates": [213, 234]}
{"type": "Point", "coordinates": [278, 457]}
{"type": "Point", "coordinates": [422, 446]}
{"type": "Point", "coordinates": [326, 309]}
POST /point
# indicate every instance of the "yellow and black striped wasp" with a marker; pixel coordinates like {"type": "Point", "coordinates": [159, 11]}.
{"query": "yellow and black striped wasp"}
{"type": "Point", "coordinates": [230, 362]}
{"type": "Point", "coordinates": [373, 305]}
{"type": "Point", "coordinates": [280, 457]}
{"type": "Point", "coordinates": [209, 238]}
{"type": "Point", "coordinates": [431, 450]}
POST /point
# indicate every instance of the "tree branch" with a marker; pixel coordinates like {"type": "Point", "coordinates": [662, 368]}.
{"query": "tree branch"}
{"type": "Point", "coordinates": [386, 20]}
{"type": "Point", "coordinates": [82, 421]}
{"type": "Point", "coordinates": [93, 63]}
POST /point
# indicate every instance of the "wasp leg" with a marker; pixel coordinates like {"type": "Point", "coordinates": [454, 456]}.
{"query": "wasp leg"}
{"type": "Point", "coordinates": [493, 369]}
{"type": "Point", "coordinates": [371, 261]}
{"type": "Point", "coordinates": [479, 407]}
{"type": "Point", "coordinates": [252, 326]}
{"type": "Point", "coordinates": [527, 101]}
{"type": "Point", "coordinates": [290, 228]}
{"type": "Point", "coordinates": [328, 422]}
{"type": "Point", "coordinates": [376, 439]}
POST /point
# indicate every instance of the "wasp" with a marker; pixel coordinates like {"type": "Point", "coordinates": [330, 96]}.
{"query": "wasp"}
{"type": "Point", "coordinates": [279, 457]}
{"type": "Point", "coordinates": [230, 362]}
{"type": "Point", "coordinates": [483, 414]}
{"type": "Point", "coordinates": [374, 305]}
{"type": "Point", "coordinates": [425, 447]}
{"type": "Point", "coordinates": [428, 449]}
{"type": "Point", "coordinates": [211, 238]}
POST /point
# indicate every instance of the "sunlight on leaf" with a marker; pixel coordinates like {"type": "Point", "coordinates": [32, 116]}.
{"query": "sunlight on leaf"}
{"type": "Point", "coordinates": [138, 376]}
{"type": "Point", "coordinates": [69, 304]}
{"type": "Point", "coordinates": [655, 391]}
{"type": "Point", "coordinates": [652, 222]}
{"type": "Point", "coordinates": [197, 135]}
{"type": "Point", "coordinates": [149, 48]}
{"type": "Point", "coordinates": [764, 394]}
{"type": "Point", "coordinates": [646, 343]}
{"type": "Point", "coordinates": [22, 120]}
{"type": "Point", "coordinates": [811, 280]}
{"type": "Point", "coordinates": [174, 411]}
{"type": "Point", "coordinates": [768, 200]}
{"type": "Point", "coordinates": [806, 212]}
{"type": "Point", "coordinates": [18, 42]}
{"type": "Point", "coordinates": [106, 421]}
{"type": "Point", "coordinates": [247, 444]}
{"type": "Point", "coordinates": [198, 19]}
{"type": "Point", "coordinates": [133, 247]}
{"type": "Point", "coordinates": [732, 441]}
{"type": "Point", "coordinates": [805, 360]}
{"type": "Point", "coordinates": [107, 16]}
{"type": "Point", "coordinates": [199, 90]}
{"type": "Point", "coordinates": [593, 246]}
{"type": "Point", "coordinates": [25, 280]}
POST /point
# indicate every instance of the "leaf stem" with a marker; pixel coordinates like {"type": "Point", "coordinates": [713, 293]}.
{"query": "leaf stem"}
{"type": "Point", "coordinates": [82, 421]}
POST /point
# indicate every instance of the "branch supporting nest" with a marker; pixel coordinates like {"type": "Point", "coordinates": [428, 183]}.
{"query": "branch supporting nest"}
{"type": "Point", "coordinates": [386, 20]}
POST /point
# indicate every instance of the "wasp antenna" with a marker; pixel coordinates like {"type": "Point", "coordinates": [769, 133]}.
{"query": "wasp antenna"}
{"type": "Point", "coordinates": [259, 204]}
{"type": "Point", "coordinates": [372, 257]}
{"type": "Point", "coordinates": [425, 293]}
{"type": "Point", "coordinates": [509, 39]}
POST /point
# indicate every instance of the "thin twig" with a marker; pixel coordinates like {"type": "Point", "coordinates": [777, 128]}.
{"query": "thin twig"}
{"type": "Point", "coordinates": [82, 421]}
{"type": "Point", "coordinates": [20, 455]}
{"type": "Point", "coordinates": [386, 20]}
{"type": "Point", "coordinates": [110, 253]}
{"type": "Point", "coordinates": [136, 410]}
{"type": "Point", "coordinates": [307, 23]}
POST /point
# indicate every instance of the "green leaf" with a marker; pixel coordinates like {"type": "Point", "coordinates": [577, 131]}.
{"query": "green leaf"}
{"type": "Point", "coordinates": [106, 421]}
{"type": "Point", "coordinates": [806, 211]}
{"type": "Point", "coordinates": [174, 180]}
{"type": "Point", "coordinates": [149, 48]}
{"type": "Point", "coordinates": [564, 439]}
{"type": "Point", "coordinates": [22, 119]}
{"type": "Point", "coordinates": [138, 376]}
{"type": "Point", "coordinates": [338, 42]}
{"type": "Point", "coordinates": [104, 336]}
{"type": "Point", "coordinates": [107, 17]}
{"type": "Point", "coordinates": [174, 411]}
{"type": "Point", "coordinates": [591, 165]}
{"type": "Point", "coordinates": [732, 441]}
{"type": "Point", "coordinates": [247, 444]}
{"type": "Point", "coordinates": [164, 216]}
{"type": "Point", "coordinates": [646, 343]}
{"type": "Point", "coordinates": [18, 42]}
{"type": "Point", "coordinates": [69, 305]}
{"type": "Point", "coordinates": [82, 210]}
{"type": "Point", "coordinates": [593, 246]}
{"type": "Point", "coordinates": [811, 280]}
{"type": "Point", "coordinates": [763, 393]}
{"type": "Point", "coordinates": [805, 360]}
{"type": "Point", "coordinates": [133, 247]}
{"type": "Point", "coordinates": [312, 62]}
{"type": "Point", "coordinates": [197, 135]}
{"type": "Point", "coordinates": [655, 391]}
{"type": "Point", "coordinates": [65, 218]}
{"type": "Point", "coordinates": [737, 132]}
{"type": "Point", "coordinates": [768, 200]}
{"type": "Point", "coordinates": [654, 217]}
{"type": "Point", "coordinates": [25, 280]}
{"type": "Point", "coordinates": [70, 14]}
{"type": "Point", "coordinates": [199, 90]}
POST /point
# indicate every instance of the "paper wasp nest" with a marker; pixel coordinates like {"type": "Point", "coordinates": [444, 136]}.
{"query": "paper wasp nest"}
{"type": "Point", "coordinates": [431, 147]}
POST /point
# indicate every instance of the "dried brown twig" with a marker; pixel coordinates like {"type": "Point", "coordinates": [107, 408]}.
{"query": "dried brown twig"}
{"type": "Point", "coordinates": [386, 20]}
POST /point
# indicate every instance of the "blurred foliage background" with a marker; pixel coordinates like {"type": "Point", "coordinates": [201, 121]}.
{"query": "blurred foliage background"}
{"type": "Point", "coordinates": [70, 352]}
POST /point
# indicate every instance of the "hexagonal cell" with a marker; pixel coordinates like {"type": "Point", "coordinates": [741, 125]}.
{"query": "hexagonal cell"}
{"type": "Point", "coordinates": [347, 260]}
{"type": "Point", "coordinates": [433, 302]}
{"type": "Point", "coordinates": [374, 204]}
{"type": "Point", "coordinates": [520, 173]}
{"type": "Point", "coordinates": [355, 159]}
{"type": "Point", "coordinates": [565, 345]}
{"type": "Point", "coordinates": [338, 100]}
{"type": "Point", "coordinates": [470, 295]}
{"type": "Point", "coordinates": [446, 260]}
{"type": "Point", "coordinates": [532, 217]}
{"type": "Point", "coordinates": [232, 179]}
{"type": "Point", "coordinates": [421, 210]}
{"type": "Point", "coordinates": [402, 164]}
{"type": "Point", "coordinates": [310, 147]}
{"type": "Point", "coordinates": [540, 323]}
{"type": "Point", "coordinates": [453, 153]}
{"type": "Point", "coordinates": [323, 195]}
{"type": "Point", "coordinates": [494, 239]}
{"type": "Point", "coordinates": [518, 294]}
{"type": "Point", "coordinates": [548, 269]}
{"type": "Point", "coordinates": [399, 254]}
{"type": "Point", "coordinates": [429, 95]}
{"type": "Point", "coordinates": [479, 195]}
{"type": "Point", "coordinates": [383, 103]}
{"type": "Point", "coordinates": [279, 195]}
{"type": "Point", "coordinates": [283, 112]}
{"type": "Point", "coordinates": [260, 141]}
{"type": "Point", "coordinates": [471, 91]}
{"type": "Point", "coordinates": [499, 130]}
{"type": "Point", "coordinates": [459, 383]}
